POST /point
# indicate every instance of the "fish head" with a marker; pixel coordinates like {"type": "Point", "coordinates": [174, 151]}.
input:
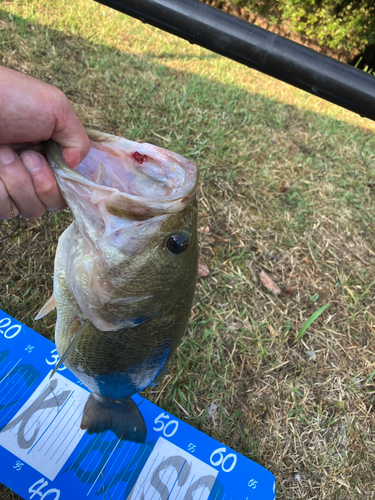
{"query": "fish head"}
{"type": "Point", "coordinates": [132, 253]}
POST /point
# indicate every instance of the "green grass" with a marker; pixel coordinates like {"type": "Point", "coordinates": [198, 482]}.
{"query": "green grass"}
{"type": "Point", "coordinates": [248, 135]}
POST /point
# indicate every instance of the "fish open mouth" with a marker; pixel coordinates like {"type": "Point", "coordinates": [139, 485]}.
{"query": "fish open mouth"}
{"type": "Point", "coordinates": [120, 179]}
{"type": "Point", "coordinates": [134, 180]}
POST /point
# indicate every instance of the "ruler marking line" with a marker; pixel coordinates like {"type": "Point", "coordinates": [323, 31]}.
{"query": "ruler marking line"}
{"type": "Point", "coordinates": [91, 446]}
{"type": "Point", "coordinates": [153, 474]}
{"type": "Point", "coordinates": [123, 460]}
{"type": "Point", "coordinates": [57, 396]}
{"type": "Point", "coordinates": [68, 421]}
{"type": "Point", "coordinates": [79, 429]}
{"type": "Point", "coordinates": [7, 363]}
{"type": "Point", "coordinates": [157, 470]}
{"type": "Point", "coordinates": [112, 452]}
{"type": "Point", "coordinates": [57, 415]}
{"type": "Point", "coordinates": [63, 429]}
{"type": "Point", "coordinates": [32, 404]}
{"type": "Point", "coordinates": [67, 446]}
{"type": "Point", "coordinates": [113, 463]}
{"type": "Point", "coordinates": [186, 476]}
{"type": "Point", "coordinates": [191, 482]}
{"type": "Point", "coordinates": [204, 487]}
{"type": "Point", "coordinates": [168, 478]}
{"type": "Point", "coordinates": [62, 420]}
{"type": "Point", "coordinates": [135, 468]}
{"type": "Point", "coordinates": [12, 388]}
{"type": "Point", "coordinates": [102, 452]}
{"type": "Point", "coordinates": [10, 371]}
{"type": "Point", "coordinates": [12, 406]}
{"type": "Point", "coordinates": [40, 416]}
{"type": "Point", "coordinates": [92, 458]}
{"type": "Point", "coordinates": [160, 479]}
{"type": "Point", "coordinates": [179, 474]}
{"type": "Point", "coordinates": [5, 367]}
{"type": "Point", "coordinates": [147, 476]}
{"type": "Point", "coordinates": [197, 485]}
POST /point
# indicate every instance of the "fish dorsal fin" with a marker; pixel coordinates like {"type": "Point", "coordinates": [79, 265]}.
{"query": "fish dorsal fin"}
{"type": "Point", "coordinates": [73, 342]}
{"type": "Point", "coordinates": [47, 308]}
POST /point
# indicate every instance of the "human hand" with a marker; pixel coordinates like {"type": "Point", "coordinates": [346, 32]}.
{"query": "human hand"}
{"type": "Point", "coordinates": [30, 112]}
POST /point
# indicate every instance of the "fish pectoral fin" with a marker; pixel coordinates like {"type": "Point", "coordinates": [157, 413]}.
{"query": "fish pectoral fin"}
{"type": "Point", "coordinates": [47, 308]}
{"type": "Point", "coordinates": [123, 418]}
{"type": "Point", "coordinates": [76, 336]}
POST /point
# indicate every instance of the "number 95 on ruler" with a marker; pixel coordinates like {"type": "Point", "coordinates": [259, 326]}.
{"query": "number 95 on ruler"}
{"type": "Point", "coordinates": [46, 456]}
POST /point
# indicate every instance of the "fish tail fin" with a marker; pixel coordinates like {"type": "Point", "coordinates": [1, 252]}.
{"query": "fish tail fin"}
{"type": "Point", "coordinates": [123, 418]}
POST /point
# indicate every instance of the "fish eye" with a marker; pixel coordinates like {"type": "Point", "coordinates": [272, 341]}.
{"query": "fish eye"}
{"type": "Point", "coordinates": [177, 243]}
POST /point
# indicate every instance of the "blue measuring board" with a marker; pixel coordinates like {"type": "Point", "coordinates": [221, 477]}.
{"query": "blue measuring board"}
{"type": "Point", "coordinates": [44, 454]}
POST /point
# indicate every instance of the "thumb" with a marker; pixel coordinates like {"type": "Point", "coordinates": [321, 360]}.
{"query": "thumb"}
{"type": "Point", "coordinates": [70, 134]}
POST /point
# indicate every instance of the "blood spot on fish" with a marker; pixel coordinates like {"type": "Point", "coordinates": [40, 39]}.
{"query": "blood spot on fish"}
{"type": "Point", "coordinates": [184, 200]}
{"type": "Point", "coordinates": [139, 158]}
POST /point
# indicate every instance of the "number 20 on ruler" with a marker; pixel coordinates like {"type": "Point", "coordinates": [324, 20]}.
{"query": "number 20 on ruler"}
{"type": "Point", "coordinates": [9, 331]}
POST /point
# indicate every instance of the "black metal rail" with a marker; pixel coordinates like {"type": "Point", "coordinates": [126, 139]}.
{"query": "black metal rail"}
{"type": "Point", "coordinates": [258, 48]}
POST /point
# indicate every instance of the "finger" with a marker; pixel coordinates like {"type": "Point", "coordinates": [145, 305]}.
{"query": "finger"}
{"type": "Point", "coordinates": [19, 185]}
{"type": "Point", "coordinates": [8, 208]}
{"type": "Point", "coordinates": [44, 181]}
{"type": "Point", "coordinates": [69, 132]}
{"type": "Point", "coordinates": [26, 146]}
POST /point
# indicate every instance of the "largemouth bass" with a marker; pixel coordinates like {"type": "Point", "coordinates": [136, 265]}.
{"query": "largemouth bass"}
{"type": "Point", "coordinates": [125, 273]}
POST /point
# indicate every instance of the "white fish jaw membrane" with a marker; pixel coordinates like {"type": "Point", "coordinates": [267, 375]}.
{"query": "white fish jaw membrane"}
{"type": "Point", "coordinates": [125, 186]}
{"type": "Point", "coordinates": [121, 195]}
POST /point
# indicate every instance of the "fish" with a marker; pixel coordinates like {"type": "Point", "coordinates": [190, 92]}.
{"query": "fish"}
{"type": "Point", "coordinates": [125, 273]}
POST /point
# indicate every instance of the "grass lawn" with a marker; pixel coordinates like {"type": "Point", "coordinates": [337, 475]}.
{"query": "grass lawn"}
{"type": "Point", "coordinates": [287, 187]}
